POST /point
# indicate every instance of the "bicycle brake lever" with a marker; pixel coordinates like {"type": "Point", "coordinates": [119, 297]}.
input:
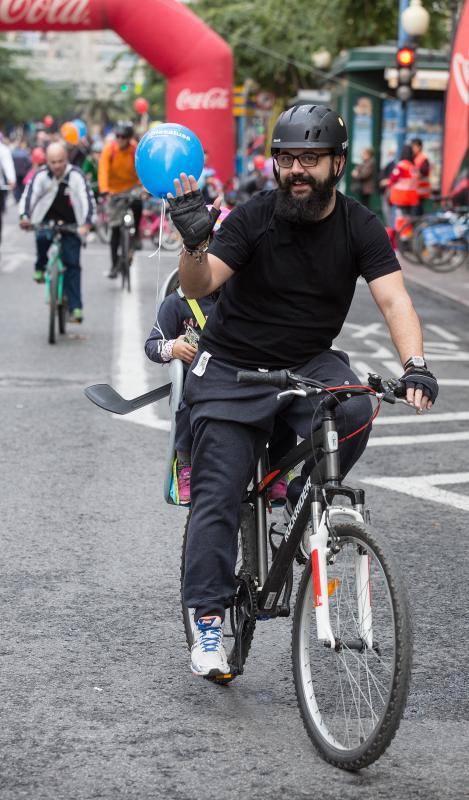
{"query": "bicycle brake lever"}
{"type": "Point", "coordinates": [297, 392]}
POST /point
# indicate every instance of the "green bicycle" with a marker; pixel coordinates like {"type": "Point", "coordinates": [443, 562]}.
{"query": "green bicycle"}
{"type": "Point", "coordinates": [54, 278]}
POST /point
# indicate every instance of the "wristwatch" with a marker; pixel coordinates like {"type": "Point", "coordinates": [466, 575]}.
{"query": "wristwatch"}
{"type": "Point", "coordinates": [416, 361]}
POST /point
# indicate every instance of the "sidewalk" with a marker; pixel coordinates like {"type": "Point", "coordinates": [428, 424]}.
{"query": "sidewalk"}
{"type": "Point", "coordinates": [454, 285]}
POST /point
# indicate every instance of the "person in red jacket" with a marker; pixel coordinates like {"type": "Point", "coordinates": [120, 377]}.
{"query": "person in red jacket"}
{"type": "Point", "coordinates": [422, 164]}
{"type": "Point", "coordinates": [403, 185]}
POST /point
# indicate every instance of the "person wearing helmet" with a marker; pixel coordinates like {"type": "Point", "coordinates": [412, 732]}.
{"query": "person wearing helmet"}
{"type": "Point", "coordinates": [116, 177]}
{"type": "Point", "coordinates": [288, 260]}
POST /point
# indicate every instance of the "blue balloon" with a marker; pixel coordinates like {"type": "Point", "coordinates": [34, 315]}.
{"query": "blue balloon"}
{"type": "Point", "coordinates": [163, 153]}
{"type": "Point", "coordinates": [81, 127]}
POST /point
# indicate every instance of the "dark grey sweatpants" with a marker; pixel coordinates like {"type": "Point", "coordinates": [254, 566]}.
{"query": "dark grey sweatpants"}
{"type": "Point", "coordinates": [231, 424]}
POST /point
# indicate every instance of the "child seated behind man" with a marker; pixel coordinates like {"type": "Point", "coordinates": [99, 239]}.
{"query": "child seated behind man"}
{"type": "Point", "coordinates": [177, 320]}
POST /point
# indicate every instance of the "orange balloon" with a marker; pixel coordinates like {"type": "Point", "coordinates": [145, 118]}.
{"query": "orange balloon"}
{"type": "Point", "coordinates": [69, 133]}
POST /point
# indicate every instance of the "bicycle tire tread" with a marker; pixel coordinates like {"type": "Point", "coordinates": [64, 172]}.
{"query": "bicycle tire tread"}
{"type": "Point", "coordinates": [403, 664]}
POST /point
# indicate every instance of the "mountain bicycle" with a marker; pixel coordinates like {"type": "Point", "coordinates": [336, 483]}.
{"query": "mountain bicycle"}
{"type": "Point", "coordinates": [54, 278]}
{"type": "Point", "coordinates": [352, 635]}
{"type": "Point", "coordinates": [126, 234]}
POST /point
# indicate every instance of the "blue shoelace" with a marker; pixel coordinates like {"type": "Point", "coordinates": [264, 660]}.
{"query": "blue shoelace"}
{"type": "Point", "coordinates": [210, 638]}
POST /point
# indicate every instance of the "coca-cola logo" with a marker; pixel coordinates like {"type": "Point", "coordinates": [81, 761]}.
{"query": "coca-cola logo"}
{"type": "Point", "coordinates": [52, 12]}
{"type": "Point", "coordinates": [215, 98]}
{"type": "Point", "coordinates": [461, 76]}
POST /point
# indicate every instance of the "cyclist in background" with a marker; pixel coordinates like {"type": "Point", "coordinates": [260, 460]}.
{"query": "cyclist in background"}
{"type": "Point", "coordinates": [58, 192]}
{"type": "Point", "coordinates": [90, 167]}
{"type": "Point", "coordinates": [288, 261]}
{"type": "Point", "coordinates": [7, 177]}
{"type": "Point", "coordinates": [117, 174]}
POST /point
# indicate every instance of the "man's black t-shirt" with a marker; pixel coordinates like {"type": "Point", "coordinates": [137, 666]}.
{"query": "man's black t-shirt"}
{"type": "Point", "coordinates": [61, 209]}
{"type": "Point", "coordinates": [293, 284]}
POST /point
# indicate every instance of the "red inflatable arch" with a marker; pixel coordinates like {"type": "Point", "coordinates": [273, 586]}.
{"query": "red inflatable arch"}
{"type": "Point", "coordinates": [197, 63]}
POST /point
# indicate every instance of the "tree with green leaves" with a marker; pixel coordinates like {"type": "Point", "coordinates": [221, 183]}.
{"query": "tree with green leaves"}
{"type": "Point", "coordinates": [273, 41]}
{"type": "Point", "coordinates": [23, 98]}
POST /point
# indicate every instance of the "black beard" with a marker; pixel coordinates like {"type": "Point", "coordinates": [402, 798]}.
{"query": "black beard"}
{"type": "Point", "coordinates": [308, 209]}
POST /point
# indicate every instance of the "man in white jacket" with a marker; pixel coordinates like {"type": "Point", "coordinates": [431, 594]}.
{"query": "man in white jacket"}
{"type": "Point", "coordinates": [59, 192]}
{"type": "Point", "coordinates": [7, 177]}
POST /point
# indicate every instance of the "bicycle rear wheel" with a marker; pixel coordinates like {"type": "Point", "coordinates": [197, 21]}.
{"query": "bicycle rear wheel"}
{"type": "Point", "coordinates": [352, 698]}
{"type": "Point", "coordinates": [53, 286]}
{"type": "Point", "coordinates": [240, 619]}
{"type": "Point", "coordinates": [125, 258]}
{"type": "Point", "coordinates": [443, 258]}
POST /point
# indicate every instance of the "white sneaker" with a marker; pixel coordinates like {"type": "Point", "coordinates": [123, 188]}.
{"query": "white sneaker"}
{"type": "Point", "coordinates": [208, 656]}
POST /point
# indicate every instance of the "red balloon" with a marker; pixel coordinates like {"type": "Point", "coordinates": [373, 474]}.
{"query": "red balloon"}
{"type": "Point", "coordinates": [48, 120]}
{"type": "Point", "coordinates": [141, 105]}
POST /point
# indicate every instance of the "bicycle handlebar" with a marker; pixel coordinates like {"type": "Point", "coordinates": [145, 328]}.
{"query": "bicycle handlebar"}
{"type": "Point", "coordinates": [389, 390]}
{"type": "Point", "coordinates": [279, 378]}
{"type": "Point", "coordinates": [55, 227]}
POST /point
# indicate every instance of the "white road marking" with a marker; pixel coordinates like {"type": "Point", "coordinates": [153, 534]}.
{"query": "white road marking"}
{"type": "Point", "coordinates": [429, 438]}
{"type": "Point", "coordinates": [453, 382]}
{"type": "Point", "coordinates": [421, 419]}
{"type": "Point", "coordinates": [450, 337]}
{"type": "Point", "coordinates": [426, 487]}
{"type": "Point", "coordinates": [130, 374]}
{"type": "Point", "coordinates": [9, 262]}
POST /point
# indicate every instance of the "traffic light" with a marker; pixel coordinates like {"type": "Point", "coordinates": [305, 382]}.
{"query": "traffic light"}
{"type": "Point", "coordinates": [405, 61]}
{"type": "Point", "coordinates": [124, 87]}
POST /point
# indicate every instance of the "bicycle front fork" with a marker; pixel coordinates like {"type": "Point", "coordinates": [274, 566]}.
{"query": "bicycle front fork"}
{"type": "Point", "coordinates": [321, 548]}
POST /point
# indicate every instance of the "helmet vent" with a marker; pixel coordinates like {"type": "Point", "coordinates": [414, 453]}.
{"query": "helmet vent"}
{"type": "Point", "coordinates": [306, 136]}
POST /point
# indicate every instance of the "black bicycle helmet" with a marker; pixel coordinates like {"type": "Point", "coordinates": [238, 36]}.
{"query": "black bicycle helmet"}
{"type": "Point", "coordinates": [311, 126]}
{"type": "Point", "coordinates": [124, 128]}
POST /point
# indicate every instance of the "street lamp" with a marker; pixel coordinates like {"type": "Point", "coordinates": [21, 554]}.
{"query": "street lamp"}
{"type": "Point", "coordinates": [414, 20]}
{"type": "Point", "coordinates": [321, 59]}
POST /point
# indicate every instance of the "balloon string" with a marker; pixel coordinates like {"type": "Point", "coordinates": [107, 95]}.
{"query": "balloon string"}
{"type": "Point", "coordinates": [158, 268]}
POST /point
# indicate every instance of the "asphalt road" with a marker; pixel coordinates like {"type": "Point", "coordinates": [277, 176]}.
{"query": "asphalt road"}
{"type": "Point", "coordinates": [97, 697]}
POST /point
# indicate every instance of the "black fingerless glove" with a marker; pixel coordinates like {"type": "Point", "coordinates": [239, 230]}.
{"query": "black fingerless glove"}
{"type": "Point", "coordinates": [420, 378]}
{"type": "Point", "coordinates": [192, 218]}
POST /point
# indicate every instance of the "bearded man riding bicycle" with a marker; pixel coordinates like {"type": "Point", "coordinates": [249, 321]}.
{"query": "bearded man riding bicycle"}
{"type": "Point", "coordinates": [287, 261]}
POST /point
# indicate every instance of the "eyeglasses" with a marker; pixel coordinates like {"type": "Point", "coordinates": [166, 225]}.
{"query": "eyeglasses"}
{"type": "Point", "coordinates": [122, 136]}
{"type": "Point", "coordinates": [305, 159]}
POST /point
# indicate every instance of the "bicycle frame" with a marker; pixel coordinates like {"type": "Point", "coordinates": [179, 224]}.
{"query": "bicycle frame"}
{"type": "Point", "coordinates": [322, 484]}
{"type": "Point", "coordinates": [55, 261]}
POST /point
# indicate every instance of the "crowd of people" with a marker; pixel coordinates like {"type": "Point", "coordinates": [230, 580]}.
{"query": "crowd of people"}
{"type": "Point", "coordinates": [103, 169]}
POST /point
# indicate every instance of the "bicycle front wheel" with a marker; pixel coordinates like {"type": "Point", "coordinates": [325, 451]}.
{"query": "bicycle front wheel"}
{"type": "Point", "coordinates": [352, 697]}
{"type": "Point", "coordinates": [240, 618]}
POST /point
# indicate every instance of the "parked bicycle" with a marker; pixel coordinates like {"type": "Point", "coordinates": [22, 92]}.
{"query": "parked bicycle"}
{"type": "Point", "coordinates": [352, 636]}
{"type": "Point", "coordinates": [443, 245]}
{"type": "Point", "coordinates": [54, 278]}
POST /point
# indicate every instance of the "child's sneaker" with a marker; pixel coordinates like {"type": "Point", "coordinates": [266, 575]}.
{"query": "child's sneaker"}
{"type": "Point", "coordinates": [39, 276]}
{"type": "Point", "coordinates": [278, 491]}
{"type": "Point", "coordinates": [184, 485]}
